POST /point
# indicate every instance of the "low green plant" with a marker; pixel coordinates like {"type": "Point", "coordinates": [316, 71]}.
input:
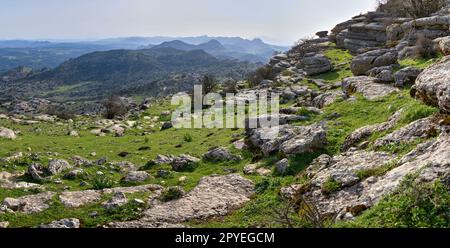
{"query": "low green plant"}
{"type": "Point", "coordinates": [330, 186]}
{"type": "Point", "coordinates": [188, 138]}
{"type": "Point", "coordinates": [102, 182]}
{"type": "Point", "coordinates": [171, 193]}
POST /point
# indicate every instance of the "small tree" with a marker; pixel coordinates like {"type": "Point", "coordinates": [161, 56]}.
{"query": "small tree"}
{"type": "Point", "coordinates": [114, 107]}
{"type": "Point", "coordinates": [262, 73]}
{"type": "Point", "coordinates": [230, 86]}
{"type": "Point", "coordinates": [209, 84]}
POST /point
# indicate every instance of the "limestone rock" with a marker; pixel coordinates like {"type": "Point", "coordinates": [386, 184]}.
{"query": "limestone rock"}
{"type": "Point", "coordinates": [326, 99]}
{"type": "Point", "coordinates": [362, 63]}
{"type": "Point", "coordinates": [183, 161]}
{"type": "Point", "coordinates": [420, 129]}
{"type": "Point", "coordinates": [78, 199]}
{"type": "Point", "coordinates": [64, 223]}
{"type": "Point", "coordinates": [29, 204]}
{"type": "Point", "coordinates": [56, 166]}
{"type": "Point", "coordinates": [367, 86]}
{"type": "Point", "coordinates": [433, 85]}
{"type": "Point", "coordinates": [119, 199]}
{"type": "Point", "coordinates": [213, 197]}
{"type": "Point", "coordinates": [314, 64]}
{"type": "Point", "coordinates": [136, 176]}
{"type": "Point", "coordinates": [364, 133]}
{"type": "Point", "coordinates": [7, 133]}
{"type": "Point", "coordinates": [221, 154]}
{"type": "Point", "coordinates": [406, 76]}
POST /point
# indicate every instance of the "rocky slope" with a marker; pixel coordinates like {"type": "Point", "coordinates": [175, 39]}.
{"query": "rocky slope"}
{"type": "Point", "coordinates": [364, 141]}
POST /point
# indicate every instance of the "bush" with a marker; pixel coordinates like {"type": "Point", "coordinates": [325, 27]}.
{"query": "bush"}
{"type": "Point", "coordinates": [411, 8]}
{"type": "Point", "coordinates": [171, 193]}
{"type": "Point", "coordinates": [188, 138]}
{"type": "Point", "coordinates": [262, 73]}
{"type": "Point", "coordinates": [102, 182]}
{"type": "Point", "coordinates": [60, 111]}
{"type": "Point", "coordinates": [330, 186]}
{"type": "Point", "coordinates": [411, 205]}
{"type": "Point", "coordinates": [209, 84]}
{"type": "Point", "coordinates": [115, 107]}
{"type": "Point", "coordinates": [230, 86]}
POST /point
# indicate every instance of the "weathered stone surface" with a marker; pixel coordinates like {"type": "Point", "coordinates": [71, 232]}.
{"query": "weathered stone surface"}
{"type": "Point", "coordinates": [183, 161]}
{"type": "Point", "coordinates": [362, 63]}
{"type": "Point", "coordinates": [364, 133]}
{"type": "Point", "coordinates": [282, 166]}
{"type": "Point", "coordinates": [406, 76]}
{"type": "Point", "coordinates": [367, 86]}
{"type": "Point", "coordinates": [119, 199]}
{"type": "Point", "coordinates": [56, 166]}
{"type": "Point", "coordinates": [11, 181]}
{"type": "Point", "coordinates": [431, 159]}
{"type": "Point", "coordinates": [134, 189]}
{"type": "Point", "coordinates": [314, 64]}
{"type": "Point", "coordinates": [221, 154]}
{"type": "Point", "coordinates": [444, 45]}
{"type": "Point", "coordinates": [7, 133]}
{"type": "Point", "coordinates": [78, 199]}
{"type": "Point", "coordinates": [384, 74]}
{"type": "Point", "coordinates": [64, 223]}
{"type": "Point", "coordinates": [214, 196]}
{"type": "Point", "coordinates": [136, 176]}
{"type": "Point", "coordinates": [433, 85]}
{"type": "Point", "coordinates": [4, 224]}
{"type": "Point", "coordinates": [289, 139]}
{"type": "Point", "coordinates": [29, 204]}
{"type": "Point", "coordinates": [115, 129]}
{"type": "Point", "coordinates": [80, 161]}
{"type": "Point", "coordinates": [36, 171]}
{"type": "Point", "coordinates": [166, 125]}
{"type": "Point", "coordinates": [420, 129]}
{"type": "Point", "coordinates": [326, 99]}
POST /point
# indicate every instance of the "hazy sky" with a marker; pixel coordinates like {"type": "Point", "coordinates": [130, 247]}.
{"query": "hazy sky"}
{"type": "Point", "coordinates": [274, 20]}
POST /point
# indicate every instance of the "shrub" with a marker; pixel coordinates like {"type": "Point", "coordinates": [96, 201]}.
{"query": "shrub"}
{"type": "Point", "coordinates": [330, 186]}
{"type": "Point", "coordinates": [411, 8]}
{"type": "Point", "coordinates": [230, 86]}
{"type": "Point", "coordinates": [262, 73]}
{"type": "Point", "coordinates": [413, 204]}
{"type": "Point", "coordinates": [114, 107]}
{"type": "Point", "coordinates": [171, 193]}
{"type": "Point", "coordinates": [60, 112]}
{"type": "Point", "coordinates": [209, 84]}
{"type": "Point", "coordinates": [424, 47]}
{"type": "Point", "coordinates": [102, 182]}
{"type": "Point", "coordinates": [187, 138]}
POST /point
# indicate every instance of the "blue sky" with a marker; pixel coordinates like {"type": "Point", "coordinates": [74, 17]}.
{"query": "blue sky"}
{"type": "Point", "coordinates": [281, 21]}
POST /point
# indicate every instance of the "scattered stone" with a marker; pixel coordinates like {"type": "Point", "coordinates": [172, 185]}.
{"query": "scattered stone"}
{"type": "Point", "coordinates": [136, 176]}
{"type": "Point", "coordinates": [64, 223]}
{"type": "Point", "coordinates": [221, 154]}
{"type": "Point", "coordinates": [4, 224]}
{"type": "Point", "coordinates": [363, 63]}
{"type": "Point", "coordinates": [7, 133]}
{"type": "Point", "coordinates": [56, 166]}
{"type": "Point", "coordinates": [123, 154]}
{"type": "Point", "coordinates": [166, 125]}
{"type": "Point", "coordinates": [326, 99]}
{"type": "Point", "coordinates": [29, 204]}
{"type": "Point", "coordinates": [74, 174]}
{"type": "Point", "coordinates": [119, 199]}
{"type": "Point", "coordinates": [79, 161]}
{"type": "Point", "coordinates": [78, 199]}
{"type": "Point", "coordinates": [74, 133]}
{"type": "Point", "coordinates": [183, 161]}
{"type": "Point", "coordinates": [282, 166]}
{"type": "Point", "coordinates": [36, 171]}
{"type": "Point", "coordinates": [314, 64]}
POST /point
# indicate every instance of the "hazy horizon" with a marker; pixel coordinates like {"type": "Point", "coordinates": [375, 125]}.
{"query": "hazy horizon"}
{"type": "Point", "coordinates": [276, 22]}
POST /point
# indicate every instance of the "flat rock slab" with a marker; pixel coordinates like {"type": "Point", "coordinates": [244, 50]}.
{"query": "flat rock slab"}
{"type": "Point", "coordinates": [214, 196]}
{"type": "Point", "coordinates": [77, 199]}
{"type": "Point", "coordinates": [29, 204]}
{"type": "Point", "coordinates": [367, 86]}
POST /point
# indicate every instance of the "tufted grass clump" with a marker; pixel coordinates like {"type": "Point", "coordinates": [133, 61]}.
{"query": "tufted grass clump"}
{"type": "Point", "coordinates": [171, 193]}
{"type": "Point", "coordinates": [102, 182]}
{"type": "Point", "coordinates": [330, 186]}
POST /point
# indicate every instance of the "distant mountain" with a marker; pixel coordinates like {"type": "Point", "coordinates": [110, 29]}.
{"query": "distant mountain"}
{"type": "Point", "coordinates": [150, 72]}
{"type": "Point", "coordinates": [42, 54]}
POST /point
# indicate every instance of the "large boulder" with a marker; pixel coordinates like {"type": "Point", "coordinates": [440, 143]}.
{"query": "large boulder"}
{"type": "Point", "coordinates": [326, 99]}
{"type": "Point", "coordinates": [29, 204]}
{"type": "Point", "coordinates": [363, 63]}
{"type": "Point", "coordinates": [7, 133]}
{"type": "Point", "coordinates": [314, 64]}
{"type": "Point", "coordinates": [183, 162]}
{"type": "Point", "coordinates": [136, 177]}
{"type": "Point", "coordinates": [291, 140]}
{"type": "Point", "coordinates": [443, 45]}
{"type": "Point", "coordinates": [433, 85]}
{"type": "Point", "coordinates": [367, 86]}
{"type": "Point", "coordinates": [406, 76]}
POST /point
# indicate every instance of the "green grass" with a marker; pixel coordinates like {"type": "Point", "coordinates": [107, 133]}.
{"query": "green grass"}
{"type": "Point", "coordinates": [420, 205]}
{"type": "Point", "coordinates": [420, 63]}
{"type": "Point", "coordinates": [378, 171]}
{"type": "Point", "coordinates": [341, 61]}
{"type": "Point", "coordinates": [330, 186]}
